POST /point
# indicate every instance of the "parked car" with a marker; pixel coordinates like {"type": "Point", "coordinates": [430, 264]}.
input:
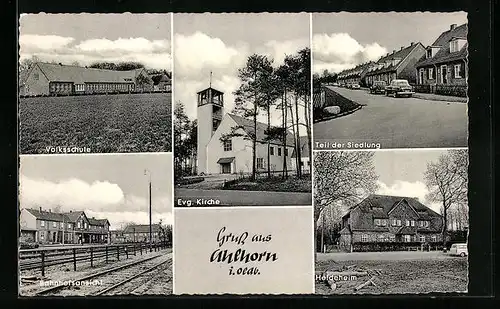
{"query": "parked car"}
{"type": "Point", "coordinates": [399, 87]}
{"type": "Point", "coordinates": [335, 84]}
{"type": "Point", "coordinates": [378, 87]}
{"type": "Point", "coordinates": [355, 86]}
{"type": "Point", "coordinates": [459, 249]}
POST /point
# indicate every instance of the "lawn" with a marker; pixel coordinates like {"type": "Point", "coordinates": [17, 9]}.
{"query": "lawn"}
{"type": "Point", "coordinates": [275, 183]}
{"type": "Point", "coordinates": [398, 277]}
{"type": "Point", "coordinates": [104, 123]}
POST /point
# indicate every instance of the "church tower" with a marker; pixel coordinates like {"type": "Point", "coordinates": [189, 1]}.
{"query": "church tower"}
{"type": "Point", "coordinates": [210, 112]}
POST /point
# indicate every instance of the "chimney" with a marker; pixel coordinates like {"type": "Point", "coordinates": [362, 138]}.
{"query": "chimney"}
{"type": "Point", "coordinates": [60, 63]}
{"type": "Point", "coordinates": [40, 208]}
{"type": "Point", "coordinates": [412, 43]}
{"type": "Point", "coordinates": [50, 209]}
{"type": "Point", "coordinates": [393, 51]}
{"type": "Point", "coordinates": [402, 47]}
{"type": "Point", "coordinates": [453, 26]}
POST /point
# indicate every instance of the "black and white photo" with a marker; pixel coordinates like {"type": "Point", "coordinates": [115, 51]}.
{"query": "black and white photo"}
{"type": "Point", "coordinates": [390, 80]}
{"type": "Point", "coordinates": [89, 227]}
{"type": "Point", "coordinates": [391, 222]}
{"type": "Point", "coordinates": [242, 128]}
{"type": "Point", "coordinates": [95, 83]}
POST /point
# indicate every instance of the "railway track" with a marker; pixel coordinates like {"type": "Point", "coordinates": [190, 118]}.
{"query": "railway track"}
{"type": "Point", "coordinates": [118, 280]}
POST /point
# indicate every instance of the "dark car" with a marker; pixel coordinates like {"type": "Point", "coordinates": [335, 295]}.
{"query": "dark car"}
{"type": "Point", "coordinates": [399, 87]}
{"type": "Point", "coordinates": [378, 87]}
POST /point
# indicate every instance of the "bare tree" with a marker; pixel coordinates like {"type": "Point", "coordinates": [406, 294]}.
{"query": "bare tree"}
{"type": "Point", "coordinates": [342, 177]}
{"type": "Point", "coordinates": [447, 181]}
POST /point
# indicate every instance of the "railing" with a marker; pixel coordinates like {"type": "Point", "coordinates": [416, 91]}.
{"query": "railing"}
{"type": "Point", "coordinates": [41, 258]}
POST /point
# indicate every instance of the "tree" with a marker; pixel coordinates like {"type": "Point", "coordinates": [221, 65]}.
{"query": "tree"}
{"type": "Point", "coordinates": [141, 81]}
{"type": "Point", "coordinates": [24, 66]}
{"type": "Point", "coordinates": [181, 130]}
{"type": "Point", "coordinates": [446, 180]}
{"type": "Point", "coordinates": [247, 101]}
{"type": "Point", "coordinates": [342, 177]}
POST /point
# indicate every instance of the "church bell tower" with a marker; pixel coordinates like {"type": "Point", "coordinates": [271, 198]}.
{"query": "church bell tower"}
{"type": "Point", "coordinates": [210, 112]}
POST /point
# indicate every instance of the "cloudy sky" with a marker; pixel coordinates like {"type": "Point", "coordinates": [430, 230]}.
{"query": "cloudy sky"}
{"type": "Point", "coordinates": [343, 40]}
{"type": "Point", "coordinates": [221, 43]}
{"type": "Point", "coordinates": [99, 185]}
{"type": "Point", "coordinates": [401, 173]}
{"type": "Point", "coordinates": [87, 38]}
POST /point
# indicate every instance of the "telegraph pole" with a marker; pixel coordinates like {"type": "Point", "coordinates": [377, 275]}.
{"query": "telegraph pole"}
{"type": "Point", "coordinates": [146, 172]}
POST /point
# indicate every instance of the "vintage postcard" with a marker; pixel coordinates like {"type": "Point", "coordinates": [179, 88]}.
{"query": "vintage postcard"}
{"type": "Point", "coordinates": [242, 126]}
{"type": "Point", "coordinates": [89, 227]}
{"type": "Point", "coordinates": [390, 80]}
{"type": "Point", "coordinates": [94, 83]}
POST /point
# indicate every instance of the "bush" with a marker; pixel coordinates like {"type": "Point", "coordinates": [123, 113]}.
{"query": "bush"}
{"type": "Point", "coordinates": [392, 246]}
{"type": "Point", "coordinates": [188, 181]}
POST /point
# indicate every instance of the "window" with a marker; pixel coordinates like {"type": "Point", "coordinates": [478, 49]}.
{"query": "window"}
{"type": "Point", "coordinates": [260, 162]}
{"type": "Point", "coordinates": [398, 222]}
{"type": "Point", "coordinates": [426, 223]}
{"type": "Point", "coordinates": [407, 222]}
{"type": "Point", "coordinates": [41, 235]}
{"type": "Point", "coordinates": [383, 222]}
{"type": "Point", "coordinates": [271, 150]}
{"type": "Point", "coordinates": [377, 222]}
{"type": "Point", "coordinates": [36, 76]}
{"type": "Point", "coordinates": [79, 224]}
{"type": "Point", "coordinates": [279, 151]}
{"type": "Point", "coordinates": [429, 53]}
{"type": "Point", "coordinates": [433, 238]}
{"type": "Point", "coordinates": [394, 222]}
{"type": "Point", "coordinates": [54, 224]}
{"type": "Point", "coordinates": [392, 237]}
{"type": "Point", "coordinates": [364, 237]}
{"type": "Point", "coordinates": [422, 238]}
{"type": "Point", "coordinates": [407, 238]}
{"type": "Point", "coordinates": [69, 225]}
{"type": "Point", "coordinates": [456, 68]}
{"type": "Point", "coordinates": [85, 225]}
{"type": "Point", "coordinates": [62, 225]}
{"type": "Point", "coordinates": [412, 222]}
{"type": "Point", "coordinates": [42, 223]}
{"type": "Point", "coordinates": [430, 73]}
{"type": "Point", "coordinates": [454, 46]}
{"type": "Point", "coordinates": [228, 145]}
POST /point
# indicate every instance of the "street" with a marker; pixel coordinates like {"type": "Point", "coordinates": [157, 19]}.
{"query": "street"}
{"type": "Point", "coordinates": [242, 198]}
{"type": "Point", "coordinates": [396, 122]}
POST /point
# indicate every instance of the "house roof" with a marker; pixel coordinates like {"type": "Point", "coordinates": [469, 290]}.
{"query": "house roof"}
{"type": "Point", "coordinates": [48, 215]}
{"type": "Point", "coordinates": [379, 206]}
{"type": "Point", "coordinates": [141, 228]}
{"type": "Point", "coordinates": [99, 222]}
{"type": "Point", "coordinates": [225, 160]}
{"type": "Point", "coordinates": [161, 78]}
{"type": "Point", "coordinates": [356, 71]}
{"type": "Point", "coordinates": [443, 54]}
{"type": "Point", "coordinates": [74, 215]}
{"type": "Point", "coordinates": [80, 75]}
{"type": "Point", "coordinates": [248, 126]}
{"type": "Point", "coordinates": [399, 54]}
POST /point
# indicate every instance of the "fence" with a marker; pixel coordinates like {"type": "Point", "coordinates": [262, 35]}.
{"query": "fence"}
{"type": "Point", "coordinates": [72, 94]}
{"type": "Point", "coordinates": [450, 90]}
{"type": "Point", "coordinates": [42, 258]}
{"type": "Point", "coordinates": [395, 246]}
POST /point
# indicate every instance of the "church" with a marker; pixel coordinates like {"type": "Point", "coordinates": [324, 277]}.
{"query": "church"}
{"type": "Point", "coordinates": [234, 156]}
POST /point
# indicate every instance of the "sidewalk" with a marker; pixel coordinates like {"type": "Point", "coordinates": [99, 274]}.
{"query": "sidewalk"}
{"type": "Point", "coordinates": [437, 97]}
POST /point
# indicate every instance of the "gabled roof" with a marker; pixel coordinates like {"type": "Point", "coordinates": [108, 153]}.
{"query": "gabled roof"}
{"type": "Point", "coordinates": [98, 222]}
{"type": "Point", "coordinates": [162, 78]}
{"type": "Point", "coordinates": [48, 215]}
{"type": "Point", "coordinates": [74, 215]}
{"type": "Point", "coordinates": [80, 75]}
{"type": "Point", "coordinates": [248, 126]}
{"type": "Point", "coordinates": [400, 55]}
{"type": "Point", "coordinates": [379, 206]}
{"type": "Point", "coordinates": [141, 228]}
{"type": "Point", "coordinates": [443, 54]}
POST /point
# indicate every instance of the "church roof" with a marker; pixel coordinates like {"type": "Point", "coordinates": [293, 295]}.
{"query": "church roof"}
{"type": "Point", "coordinates": [248, 126]}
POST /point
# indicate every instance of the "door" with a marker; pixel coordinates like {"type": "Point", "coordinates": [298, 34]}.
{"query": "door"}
{"type": "Point", "coordinates": [226, 168]}
{"type": "Point", "coordinates": [444, 74]}
{"type": "Point", "coordinates": [421, 77]}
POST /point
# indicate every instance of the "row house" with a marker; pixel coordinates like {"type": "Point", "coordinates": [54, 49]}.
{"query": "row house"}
{"type": "Point", "coordinates": [355, 75]}
{"type": "Point", "coordinates": [74, 227]}
{"type": "Point", "coordinates": [139, 233]}
{"type": "Point", "coordinates": [58, 79]}
{"type": "Point", "coordinates": [400, 64]}
{"type": "Point", "coordinates": [383, 218]}
{"type": "Point", "coordinates": [445, 61]}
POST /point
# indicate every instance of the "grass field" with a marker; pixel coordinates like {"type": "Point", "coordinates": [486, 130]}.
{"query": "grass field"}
{"type": "Point", "coordinates": [104, 123]}
{"type": "Point", "coordinates": [399, 277]}
{"type": "Point", "coordinates": [276, 184]}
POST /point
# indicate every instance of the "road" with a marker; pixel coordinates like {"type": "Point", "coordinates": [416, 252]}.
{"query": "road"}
{"type": "Point", "coordinates": [385, 256]}
{"type": "Point", "coordinates": [241, 198]}
{"type": "Point", "coordinates": [396, 122]}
